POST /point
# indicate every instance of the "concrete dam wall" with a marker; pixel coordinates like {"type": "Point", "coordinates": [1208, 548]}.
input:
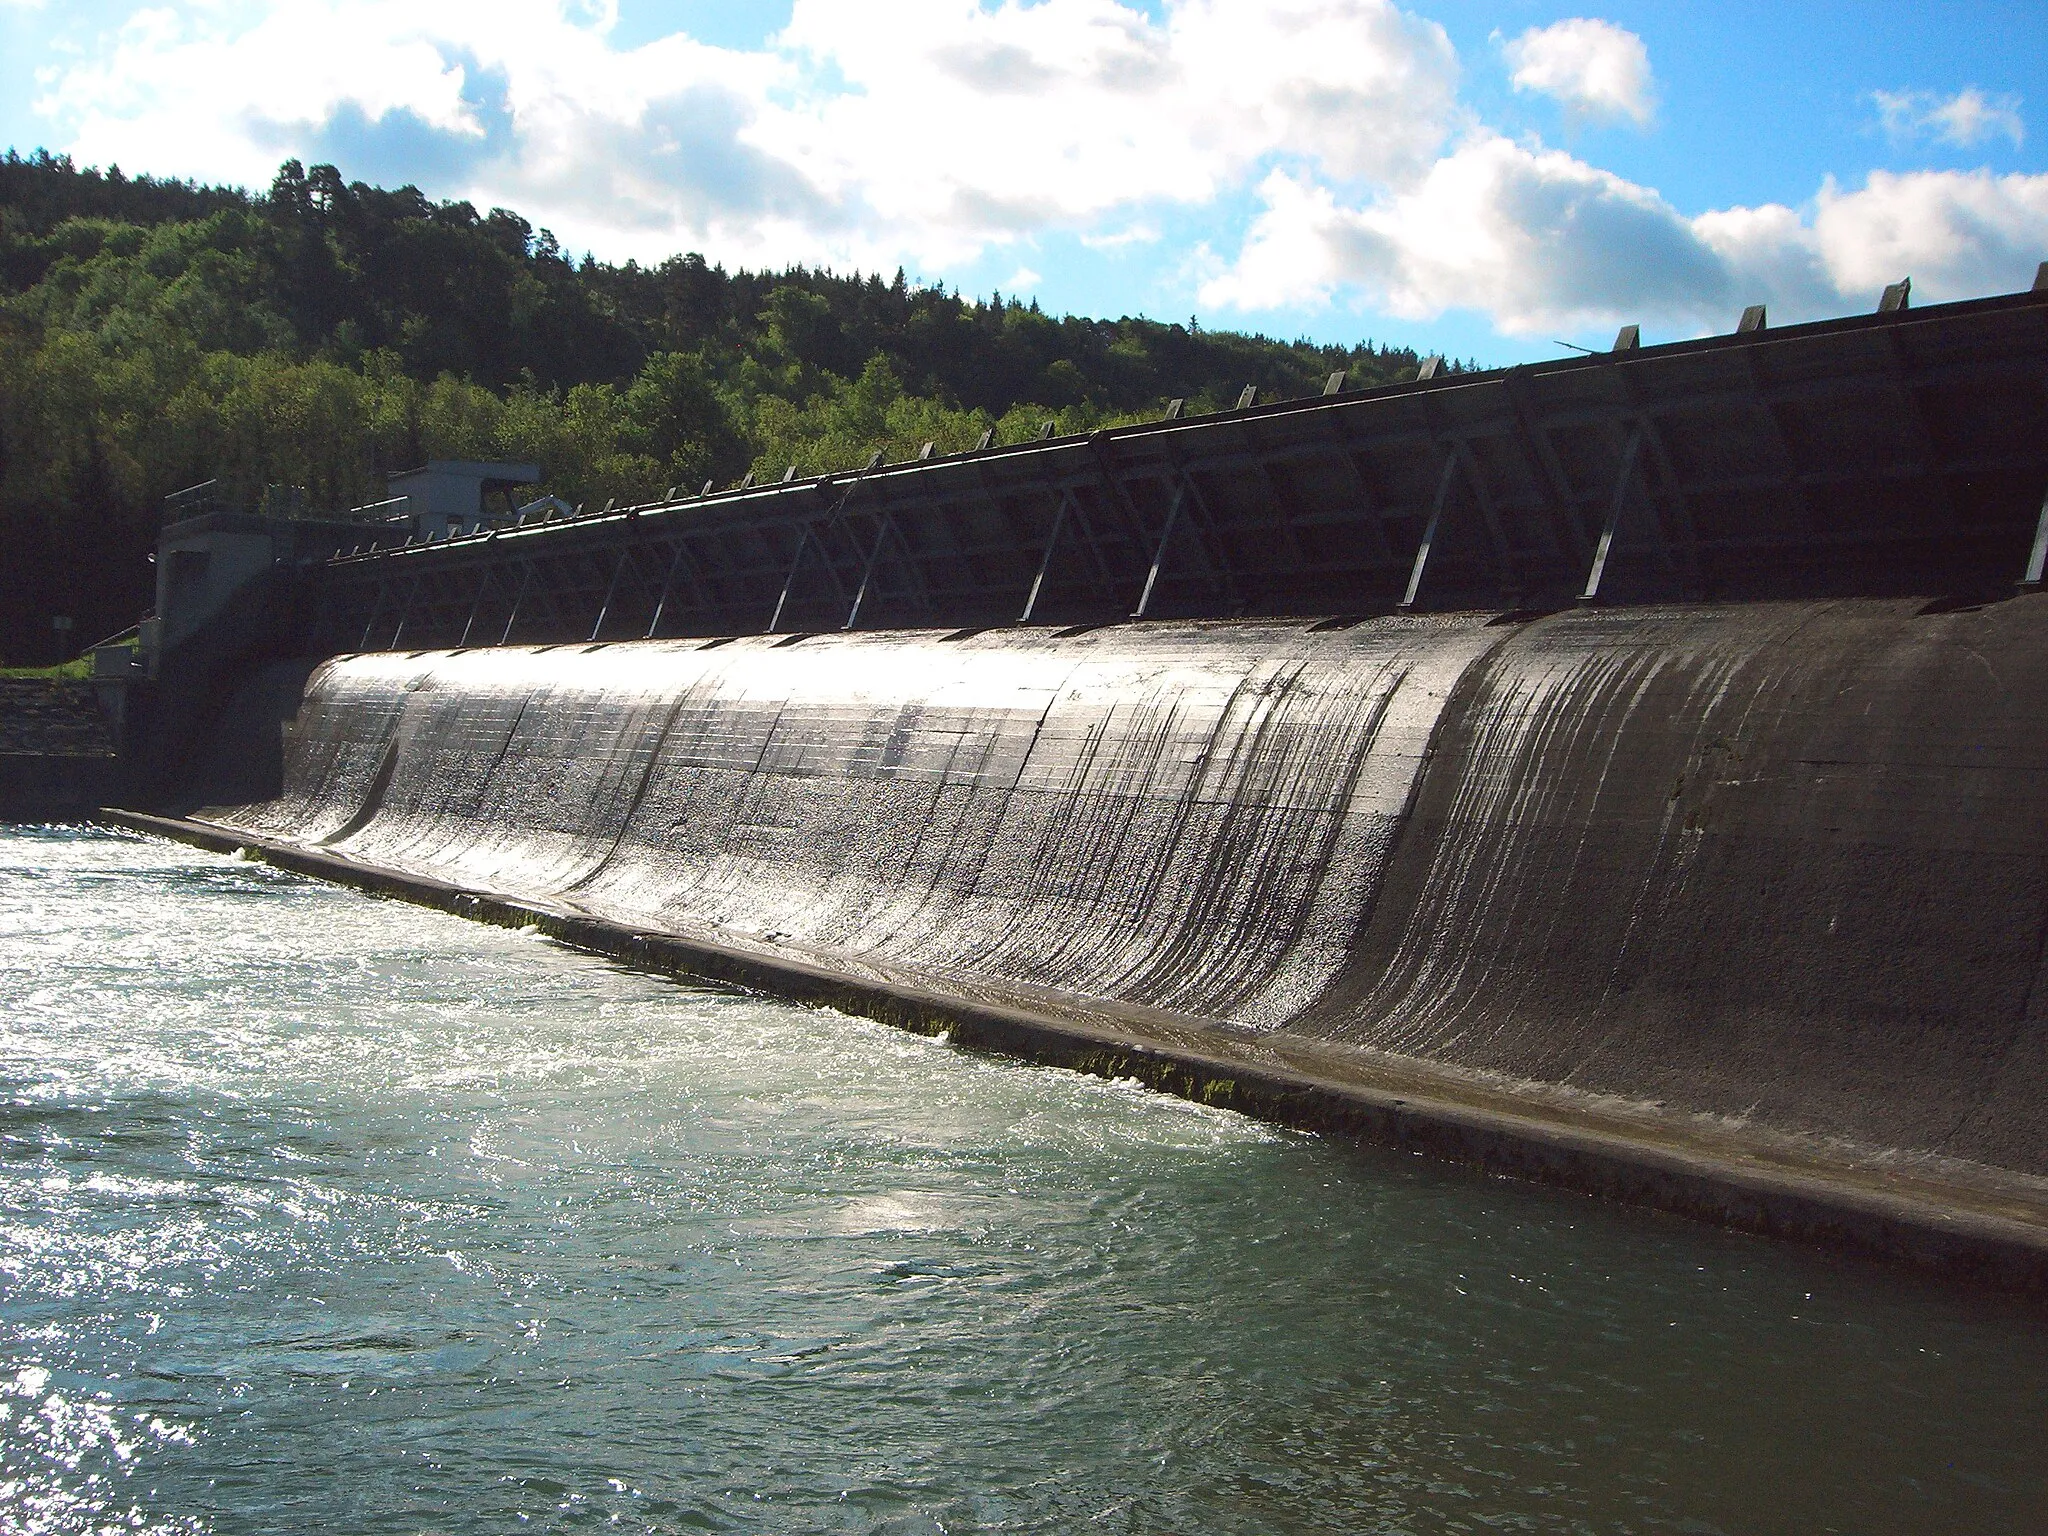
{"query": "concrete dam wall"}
{"type": "Point", "coordinates": [1783, 864]}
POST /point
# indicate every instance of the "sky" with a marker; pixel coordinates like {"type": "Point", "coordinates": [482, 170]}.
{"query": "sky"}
{"type": "Point", "coordinates": [1487, 181]}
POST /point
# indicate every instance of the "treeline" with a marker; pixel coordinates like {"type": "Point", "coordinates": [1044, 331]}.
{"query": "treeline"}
{"type": "Point", "coordinates": [156, 333]}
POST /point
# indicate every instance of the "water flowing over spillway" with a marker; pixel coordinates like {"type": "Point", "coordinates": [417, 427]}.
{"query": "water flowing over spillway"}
{"type": "Point", "coordinates": [1190, 819]}
{"type": "Point", "coordinates": [1785, 863]}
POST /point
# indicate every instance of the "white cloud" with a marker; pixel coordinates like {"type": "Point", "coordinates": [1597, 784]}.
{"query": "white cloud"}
{"type": "Point", "coordinates": [1539, 240]}
{"type": "Point", "coordinates": [869, 131]}
{"type": "Point", "coordinates": [1598, 70]}
{"type": "Point", "coordinates": [1140, 233]}
{"type": "Point", "coordinates": [521, 101]}
{"type": "Point", "coordinates": [1958, 233]}
{"type": "Point", "coordinates": [1534, 237]}
{"type": "Point", "coordinates": [294, 66]}
{"type": "Point", "coordinates": [1965, 119]}
{"type": "Point", "coordinates": [963, 126]}
{"type": "Point", "coordinates": [933, 132]}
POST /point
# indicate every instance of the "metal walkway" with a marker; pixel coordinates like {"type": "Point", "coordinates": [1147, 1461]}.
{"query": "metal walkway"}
{"type": "Point", "coordinates": [1901, 452]}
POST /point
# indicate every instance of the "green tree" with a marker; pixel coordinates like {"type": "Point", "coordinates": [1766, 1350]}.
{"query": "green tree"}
{"type": "Point", "coordinates": [324, 333]}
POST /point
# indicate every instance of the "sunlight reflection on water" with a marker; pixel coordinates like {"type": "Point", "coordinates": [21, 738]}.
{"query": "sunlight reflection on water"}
{"type": "Point", "coordinates": [329, 1212]}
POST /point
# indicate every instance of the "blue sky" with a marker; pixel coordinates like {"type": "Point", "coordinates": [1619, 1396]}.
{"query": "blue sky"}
{"type": "Point", "coordinates": [1478, 179]}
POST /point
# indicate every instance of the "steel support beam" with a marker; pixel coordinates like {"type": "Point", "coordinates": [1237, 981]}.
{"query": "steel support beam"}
{"type": "Point", "coordinates": [788, 582]}
{"type": "Point", "coordinates": [1591, 594]}
{"type": "Point", "coordinates": [867, 573]}
{"type": "Point", "coordinates": [483, 585]}
{"type": "Point", "coordinates": [404, 613]}
{"type": "Point", "coordinates": [525, 578]}
{"type": "Point", "coordinates": [1542, 459]}
{"type": "Point", "coordinates": [1180, 481]}
{"type": "Point", "coordinates": [1159, 554]}
{"type": "Point", "coordinates": [1781, 445]}
{"type": "Point", "coordinates": [1660, 458]}
{"type": "Point", "coordinates": [1916, 416]}
{"type": "Point", "coordinates": [1283, 492]}
{"type": "Point", "coordinates": [667, 584]}
{"type": "Point", "coordinates": [376, 603]}
{"type": "Point", "coordinates": [816, 525]}
{"type": "Point", "coordinates": [1688, 539]}
{"type": "Point", "coordinates": [1052, 542]}
{"type": "Point", "coordinates": [2037, 561]}
{"type": "Point", "coordinates": [1429, 531]}
{"type": "Point", "coordinates": [611, 591]}
{"type": "Point", "coordinates": [1113, 491]}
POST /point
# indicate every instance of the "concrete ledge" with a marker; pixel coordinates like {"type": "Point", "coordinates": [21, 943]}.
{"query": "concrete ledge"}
{"type": "Point", "coordinates": [1990, 1230]}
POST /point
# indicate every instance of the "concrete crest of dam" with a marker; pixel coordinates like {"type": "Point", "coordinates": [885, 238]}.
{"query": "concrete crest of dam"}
{"type": "Point", "coordinates": [1734, 909]}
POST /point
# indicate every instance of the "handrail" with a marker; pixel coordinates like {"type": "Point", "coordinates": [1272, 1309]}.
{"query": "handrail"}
{"type": "Point", "coordinates": [132, 632]}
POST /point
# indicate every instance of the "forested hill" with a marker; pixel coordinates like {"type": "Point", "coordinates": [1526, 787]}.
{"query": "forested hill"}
{"type": "Point", "coordinates": [157, 333]}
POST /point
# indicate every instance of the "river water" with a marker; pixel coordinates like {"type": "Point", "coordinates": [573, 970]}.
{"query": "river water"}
{"type": "Point", "coordinates": [329, 1213]}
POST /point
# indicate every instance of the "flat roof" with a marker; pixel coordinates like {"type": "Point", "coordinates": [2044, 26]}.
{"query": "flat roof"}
{"type": "Point", "coordinates": [472, 469]}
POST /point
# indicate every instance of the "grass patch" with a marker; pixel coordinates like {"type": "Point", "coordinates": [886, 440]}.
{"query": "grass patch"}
{"type": "Point", "coordinates": [76, 670]}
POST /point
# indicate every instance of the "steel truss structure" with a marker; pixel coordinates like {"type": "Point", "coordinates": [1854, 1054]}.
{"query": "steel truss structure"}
{"type": "Point", "coordinates": [1902, 452]}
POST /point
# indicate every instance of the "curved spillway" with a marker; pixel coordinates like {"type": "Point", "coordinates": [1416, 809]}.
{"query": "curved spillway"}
{"type": "Point", "coordinates": [1781, 861]}
{"type": "Point", "coordinates": [1785, 862]}
{"type": "Point", "coordinates": [1191, 819]}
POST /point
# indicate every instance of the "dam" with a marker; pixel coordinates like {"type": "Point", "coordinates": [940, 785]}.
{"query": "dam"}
{"type": "Point", "coordinates": [1627, 773]}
